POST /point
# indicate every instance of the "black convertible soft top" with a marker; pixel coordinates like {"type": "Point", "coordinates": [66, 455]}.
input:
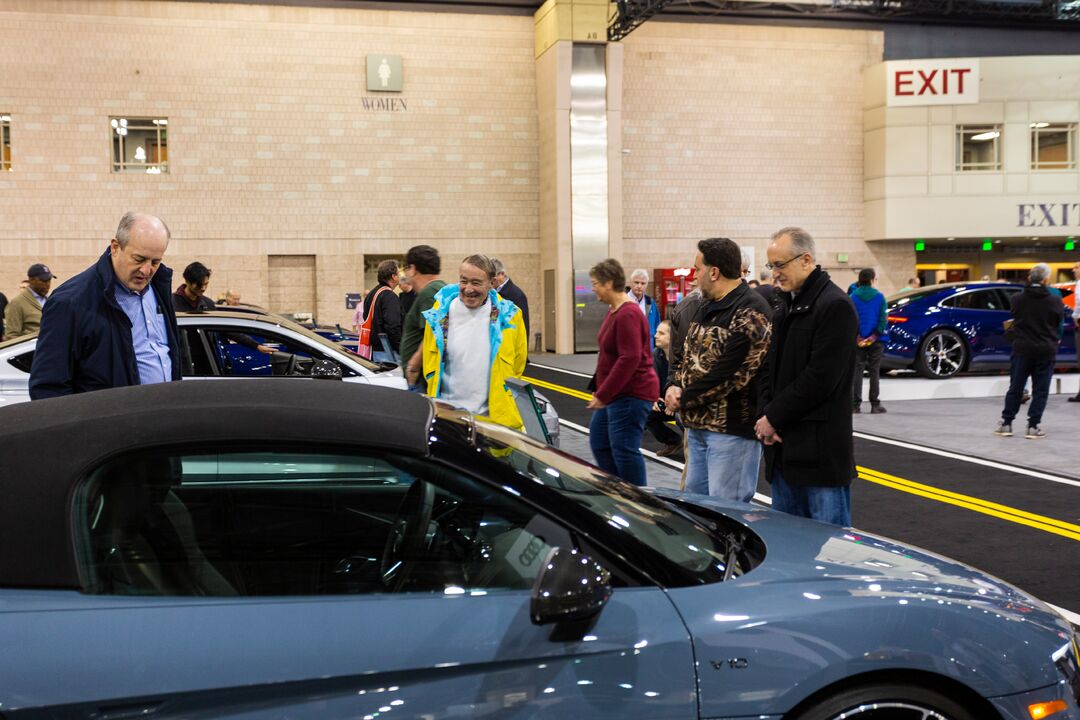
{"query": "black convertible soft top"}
{"type": "Point", "coordinates": [47, 447]}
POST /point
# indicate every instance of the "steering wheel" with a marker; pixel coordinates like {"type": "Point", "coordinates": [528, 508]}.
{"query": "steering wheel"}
{"type": "Point", "coordinates": [408, 535]}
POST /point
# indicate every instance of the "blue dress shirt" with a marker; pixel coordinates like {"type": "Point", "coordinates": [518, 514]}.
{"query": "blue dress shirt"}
{"type": "Point", "coordinates": [149, 337]}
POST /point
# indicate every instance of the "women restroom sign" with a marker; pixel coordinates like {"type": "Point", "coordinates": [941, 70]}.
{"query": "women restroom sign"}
{"type": "Point", "coordinates": [932, 82]}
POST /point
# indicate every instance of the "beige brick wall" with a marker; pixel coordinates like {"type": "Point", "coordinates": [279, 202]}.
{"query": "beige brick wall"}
{"type": "Point", "coordinates": [271, 149]}
{"type": "Point", "coordinates": [738, 130]}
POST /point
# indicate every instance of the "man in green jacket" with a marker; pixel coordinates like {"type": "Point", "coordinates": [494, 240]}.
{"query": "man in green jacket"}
{"type": "Point", "coordinates": [422, 267]}
{"type": "Point", "coordinates": [23, 314]}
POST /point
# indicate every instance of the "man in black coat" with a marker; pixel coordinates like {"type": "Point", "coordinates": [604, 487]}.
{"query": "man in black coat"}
{"type": "Point", "coordinates": [1038, 322]}
{"type": "Point", "coordinates": [806, 403]}
{"type": "Point", "coordinates": [383, 306]}
{"type": "Point", "coordinates": [509, 291]}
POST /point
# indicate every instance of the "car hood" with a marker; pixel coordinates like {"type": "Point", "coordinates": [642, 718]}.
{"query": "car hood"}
{"type": "Point", "coordinates": [827, 602]}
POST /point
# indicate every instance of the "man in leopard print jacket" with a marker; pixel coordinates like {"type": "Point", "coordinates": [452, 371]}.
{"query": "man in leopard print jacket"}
{"type": "Point", "coordinates": [716, 386]}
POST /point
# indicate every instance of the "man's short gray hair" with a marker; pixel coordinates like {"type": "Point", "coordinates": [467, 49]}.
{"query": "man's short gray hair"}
{"type": "Point", "coordinates": [765, 275]}
{"type": "Point", "coordinates": [640, 273]}
{"type": "Point", "coordinates": [499, 267]}
{"type": "Point", "coordinates": [802, 243]}
{"type": "Point", "coordinates": [123, 230]}
{"type": "Point", "coordinates": [1039, 274]}
{"type": "Point", "coordinates": [745, 259]}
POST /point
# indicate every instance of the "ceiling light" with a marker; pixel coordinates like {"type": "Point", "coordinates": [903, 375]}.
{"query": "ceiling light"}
{"type": "Point", "coordinates": [986, 136]}
{"type": "Point", "coordinates": [1040, 125]}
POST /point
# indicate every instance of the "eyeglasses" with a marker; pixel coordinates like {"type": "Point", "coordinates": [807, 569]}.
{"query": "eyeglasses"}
{"type": "Point", "coordinates": [782, 265]}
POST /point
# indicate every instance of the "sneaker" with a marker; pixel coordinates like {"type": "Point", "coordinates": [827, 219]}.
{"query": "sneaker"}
{"type": "Point", "coordinates": [1004, 430]}
{"type": "Point", "coordinates": [1034, 433]}
{"type": "Point", "coordinates": [1027, 396]}
{"type": "Point", "coordinates": [877, 410]}
{"type": "Point", "coordinates": [856, 410]}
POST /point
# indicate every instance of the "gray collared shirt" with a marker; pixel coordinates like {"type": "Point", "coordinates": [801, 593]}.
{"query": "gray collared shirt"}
{"type": "Point", "coordinates": [149, 337]}
{"type": "Point", "coordinates": [40, 298]}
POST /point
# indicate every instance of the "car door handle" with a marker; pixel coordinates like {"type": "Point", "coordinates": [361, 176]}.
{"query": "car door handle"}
{"type": "Point", "coordinates": [127, 712]}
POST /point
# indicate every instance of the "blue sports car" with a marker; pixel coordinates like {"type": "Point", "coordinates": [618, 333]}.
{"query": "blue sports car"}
{"type": "Point", "coordinates": [304, 548]}
{"type": "Point", "coordinates": [942, 330]}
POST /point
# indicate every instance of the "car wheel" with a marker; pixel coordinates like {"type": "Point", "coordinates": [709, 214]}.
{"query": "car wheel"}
{"type": "Point", "coordinates": [942, 354]}
{"type": "Point", "coordinates": [887, 701]}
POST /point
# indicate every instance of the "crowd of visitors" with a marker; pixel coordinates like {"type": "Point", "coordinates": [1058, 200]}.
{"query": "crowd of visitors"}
{"type": "Point", "coordinates": [742, 370]}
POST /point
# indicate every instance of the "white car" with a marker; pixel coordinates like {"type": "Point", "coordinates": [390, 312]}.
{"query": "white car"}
{"type": "Point", "coordinates": [222, 344]}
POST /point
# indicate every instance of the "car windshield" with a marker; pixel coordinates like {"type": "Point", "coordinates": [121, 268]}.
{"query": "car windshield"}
{"type": "Point", "coordinates": [674, 534]}
{"type": "Point", "coordinates": [280, 321]}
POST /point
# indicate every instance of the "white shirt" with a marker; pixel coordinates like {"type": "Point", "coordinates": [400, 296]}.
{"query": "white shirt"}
{"type": "Point", "coordinates": [640, 303]}
{"type": "Point", "coordinates": [466, 374]}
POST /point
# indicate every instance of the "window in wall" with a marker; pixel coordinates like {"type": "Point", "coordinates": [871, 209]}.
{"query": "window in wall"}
{"type": "Point", "coordinates": [140, 145]}
{"type": "Point", "coordinates": [5, 142]}
{"type": "Point", "coordinates": [1053, 146]}
{"type": "Point", "coordinates": [978, 147]}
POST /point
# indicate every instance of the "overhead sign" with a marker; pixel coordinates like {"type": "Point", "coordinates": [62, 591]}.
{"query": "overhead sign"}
{"type": "Point", "coordinates": [1048, 214]}
{"type": "Point", "coordinates": [384, 73]}
{"type": "Point", "coordinates": [953, 81]}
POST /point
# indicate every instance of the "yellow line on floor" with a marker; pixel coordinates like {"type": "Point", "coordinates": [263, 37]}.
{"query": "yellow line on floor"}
{"type": "Point", "coordinates": [1003, 512]}
{"type": "Point", "coordinates": [559, 389]}
{"type": "Point", "coordinates": [985, 507]}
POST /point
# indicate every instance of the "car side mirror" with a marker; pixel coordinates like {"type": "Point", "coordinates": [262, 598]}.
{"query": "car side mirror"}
{"type": "Point", "coordinates": [571, 588]}
{"type": "Point", "coordinates": [325, 370]}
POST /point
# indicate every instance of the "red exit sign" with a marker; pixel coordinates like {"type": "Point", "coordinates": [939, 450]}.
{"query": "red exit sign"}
{"type": "Point", "coordinates": [932, 82]}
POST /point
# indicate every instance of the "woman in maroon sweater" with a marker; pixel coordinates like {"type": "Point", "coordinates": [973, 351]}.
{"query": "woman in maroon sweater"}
{"type": "Point", "coordinates": [626, 384]}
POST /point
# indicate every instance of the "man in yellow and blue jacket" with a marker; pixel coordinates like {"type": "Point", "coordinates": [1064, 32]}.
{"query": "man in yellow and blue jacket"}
{"type": "Point", "coordinates": [474, 340]}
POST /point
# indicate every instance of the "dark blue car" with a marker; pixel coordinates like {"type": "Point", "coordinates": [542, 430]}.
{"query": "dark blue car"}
{"type": "Point", "coordinates": [942, 330]}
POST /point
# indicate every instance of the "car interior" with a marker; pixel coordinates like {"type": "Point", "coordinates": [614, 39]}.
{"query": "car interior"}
{"type": "Point", "coordinates": [269, 523]}
{"type": "Point", "coordinates": [210, 352]}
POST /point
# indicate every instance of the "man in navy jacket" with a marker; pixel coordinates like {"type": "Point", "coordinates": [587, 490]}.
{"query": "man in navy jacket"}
{"type": "Point", "coordinates": [112, 324]}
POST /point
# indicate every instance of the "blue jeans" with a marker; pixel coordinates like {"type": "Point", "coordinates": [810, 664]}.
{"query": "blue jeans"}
{"type": "Point", "coordinates": [615, 434]}
{"type": "Point", "coordinates": [1020, 368]}
{"type": "Point", "coordinates": [722, 465]}
{"type": "Point", "coordinates": [827, 504]}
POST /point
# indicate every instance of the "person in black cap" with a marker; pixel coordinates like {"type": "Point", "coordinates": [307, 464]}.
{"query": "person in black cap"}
{"type": "Point", "coordinates": [23, 314]}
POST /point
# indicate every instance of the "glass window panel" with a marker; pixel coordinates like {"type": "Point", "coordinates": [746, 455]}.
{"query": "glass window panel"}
{"type": "Point", "coordinates": [978, 147]}
{"type": "Point", "coordinates": [1053, 146]}
{"type": "Point", "coordinates": [140, 145]}
{"type": "Point", "coordinates": [5, 142]}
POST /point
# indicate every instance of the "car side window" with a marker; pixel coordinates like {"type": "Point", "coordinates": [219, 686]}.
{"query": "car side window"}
{"type": "Point", "coordinates": [23, 362]}
{"type": "Point", "coordinates": [976, 300]}
{"type": "Point", "coordinates": [194, 354]}
{"type": "Point", "coordinates": [266, 522]}
{"type": "Point", "coordinates": [238, 355]}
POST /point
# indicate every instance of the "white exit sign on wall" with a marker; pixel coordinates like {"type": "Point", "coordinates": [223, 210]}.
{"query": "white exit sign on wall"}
{"type": "Point", "coordinates": [932, 82]}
